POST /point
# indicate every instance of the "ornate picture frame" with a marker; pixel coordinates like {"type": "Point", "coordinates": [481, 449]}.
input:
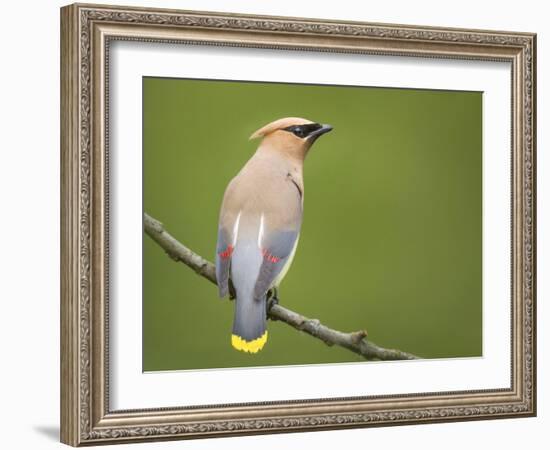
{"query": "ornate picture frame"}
{"type": "Point", "coordinates": [87, 32]}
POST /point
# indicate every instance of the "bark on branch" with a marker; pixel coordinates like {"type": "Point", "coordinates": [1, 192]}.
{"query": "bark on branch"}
{"type": "Point", "coordinates": [356, 341]}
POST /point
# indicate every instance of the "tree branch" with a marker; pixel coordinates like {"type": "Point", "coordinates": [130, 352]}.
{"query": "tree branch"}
{"type": "Point", "coordinates": [355, 341]}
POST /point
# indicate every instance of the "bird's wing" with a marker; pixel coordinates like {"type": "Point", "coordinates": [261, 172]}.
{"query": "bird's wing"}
{"type": "Point", "coordinates": [276, 250]}
{"type": "Point", "coordinates": [224, 250]}
{"type": "Point", "coordinates": [227, 229]}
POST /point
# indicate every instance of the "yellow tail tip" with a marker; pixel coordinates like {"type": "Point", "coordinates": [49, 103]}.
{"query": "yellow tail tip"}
{"type": "Point", "coordinates": [253, 346]}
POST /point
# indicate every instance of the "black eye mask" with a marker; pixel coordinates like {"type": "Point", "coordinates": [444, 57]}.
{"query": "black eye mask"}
{"type": "Point", "coordinates": [303, 131]}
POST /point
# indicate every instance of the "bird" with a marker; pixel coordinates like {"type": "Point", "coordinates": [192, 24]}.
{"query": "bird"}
{"type": "Point", "coordinates": [259, 225]}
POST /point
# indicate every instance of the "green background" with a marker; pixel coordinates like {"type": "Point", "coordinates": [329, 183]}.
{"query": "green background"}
{"type": "Point", "coordinates": [391, 238]}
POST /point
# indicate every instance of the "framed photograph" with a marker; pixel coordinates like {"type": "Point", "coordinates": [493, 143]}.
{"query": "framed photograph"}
{"type": "Point", "coordinates": [276, 224]}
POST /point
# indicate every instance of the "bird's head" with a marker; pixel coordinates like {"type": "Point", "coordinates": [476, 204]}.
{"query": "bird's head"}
{"type": "Point", "coordinates": [292, 136]}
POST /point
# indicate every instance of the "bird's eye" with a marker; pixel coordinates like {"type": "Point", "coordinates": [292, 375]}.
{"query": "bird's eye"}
{"type": "Point", "coordinates": [299, 131]}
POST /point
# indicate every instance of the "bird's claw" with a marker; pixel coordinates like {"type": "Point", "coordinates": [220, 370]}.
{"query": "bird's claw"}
{"type": "Point", "coordinates": [272, 300]}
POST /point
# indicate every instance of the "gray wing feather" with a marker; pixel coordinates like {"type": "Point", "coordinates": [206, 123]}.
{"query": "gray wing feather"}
{"type": "Point", "coordinates": [276, 251]}
{"type": "Point", "coordinates": [223, 261]}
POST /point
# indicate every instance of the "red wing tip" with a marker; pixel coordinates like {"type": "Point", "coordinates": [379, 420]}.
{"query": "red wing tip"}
{"type": "Point", "coordinates": [227, 252]}
{"type": "Point", "coordinates": [269, 257]}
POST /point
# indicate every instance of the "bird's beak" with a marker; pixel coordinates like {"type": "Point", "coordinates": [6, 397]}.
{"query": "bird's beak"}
{"type": "Point", "coordinates": [325, 128]}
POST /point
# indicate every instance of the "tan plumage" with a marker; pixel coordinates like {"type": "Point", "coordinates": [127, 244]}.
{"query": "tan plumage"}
{"type": "Point", "coordinates": [260, 221]}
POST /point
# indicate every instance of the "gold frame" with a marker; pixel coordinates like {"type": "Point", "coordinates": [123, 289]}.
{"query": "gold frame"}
{"type": "Point", "coordinates": [86, 31]}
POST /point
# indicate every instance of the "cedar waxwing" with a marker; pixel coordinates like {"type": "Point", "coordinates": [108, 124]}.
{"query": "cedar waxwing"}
{"type": "Point", "coordinates": [260, 221]}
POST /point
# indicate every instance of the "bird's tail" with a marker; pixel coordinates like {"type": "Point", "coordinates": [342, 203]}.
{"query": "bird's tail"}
{"type": "Point", "coordinates": [249, 325]}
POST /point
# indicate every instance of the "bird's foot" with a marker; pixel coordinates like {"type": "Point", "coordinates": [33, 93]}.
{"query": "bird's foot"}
{"type": "Point", "coordinates": [272, 300]}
